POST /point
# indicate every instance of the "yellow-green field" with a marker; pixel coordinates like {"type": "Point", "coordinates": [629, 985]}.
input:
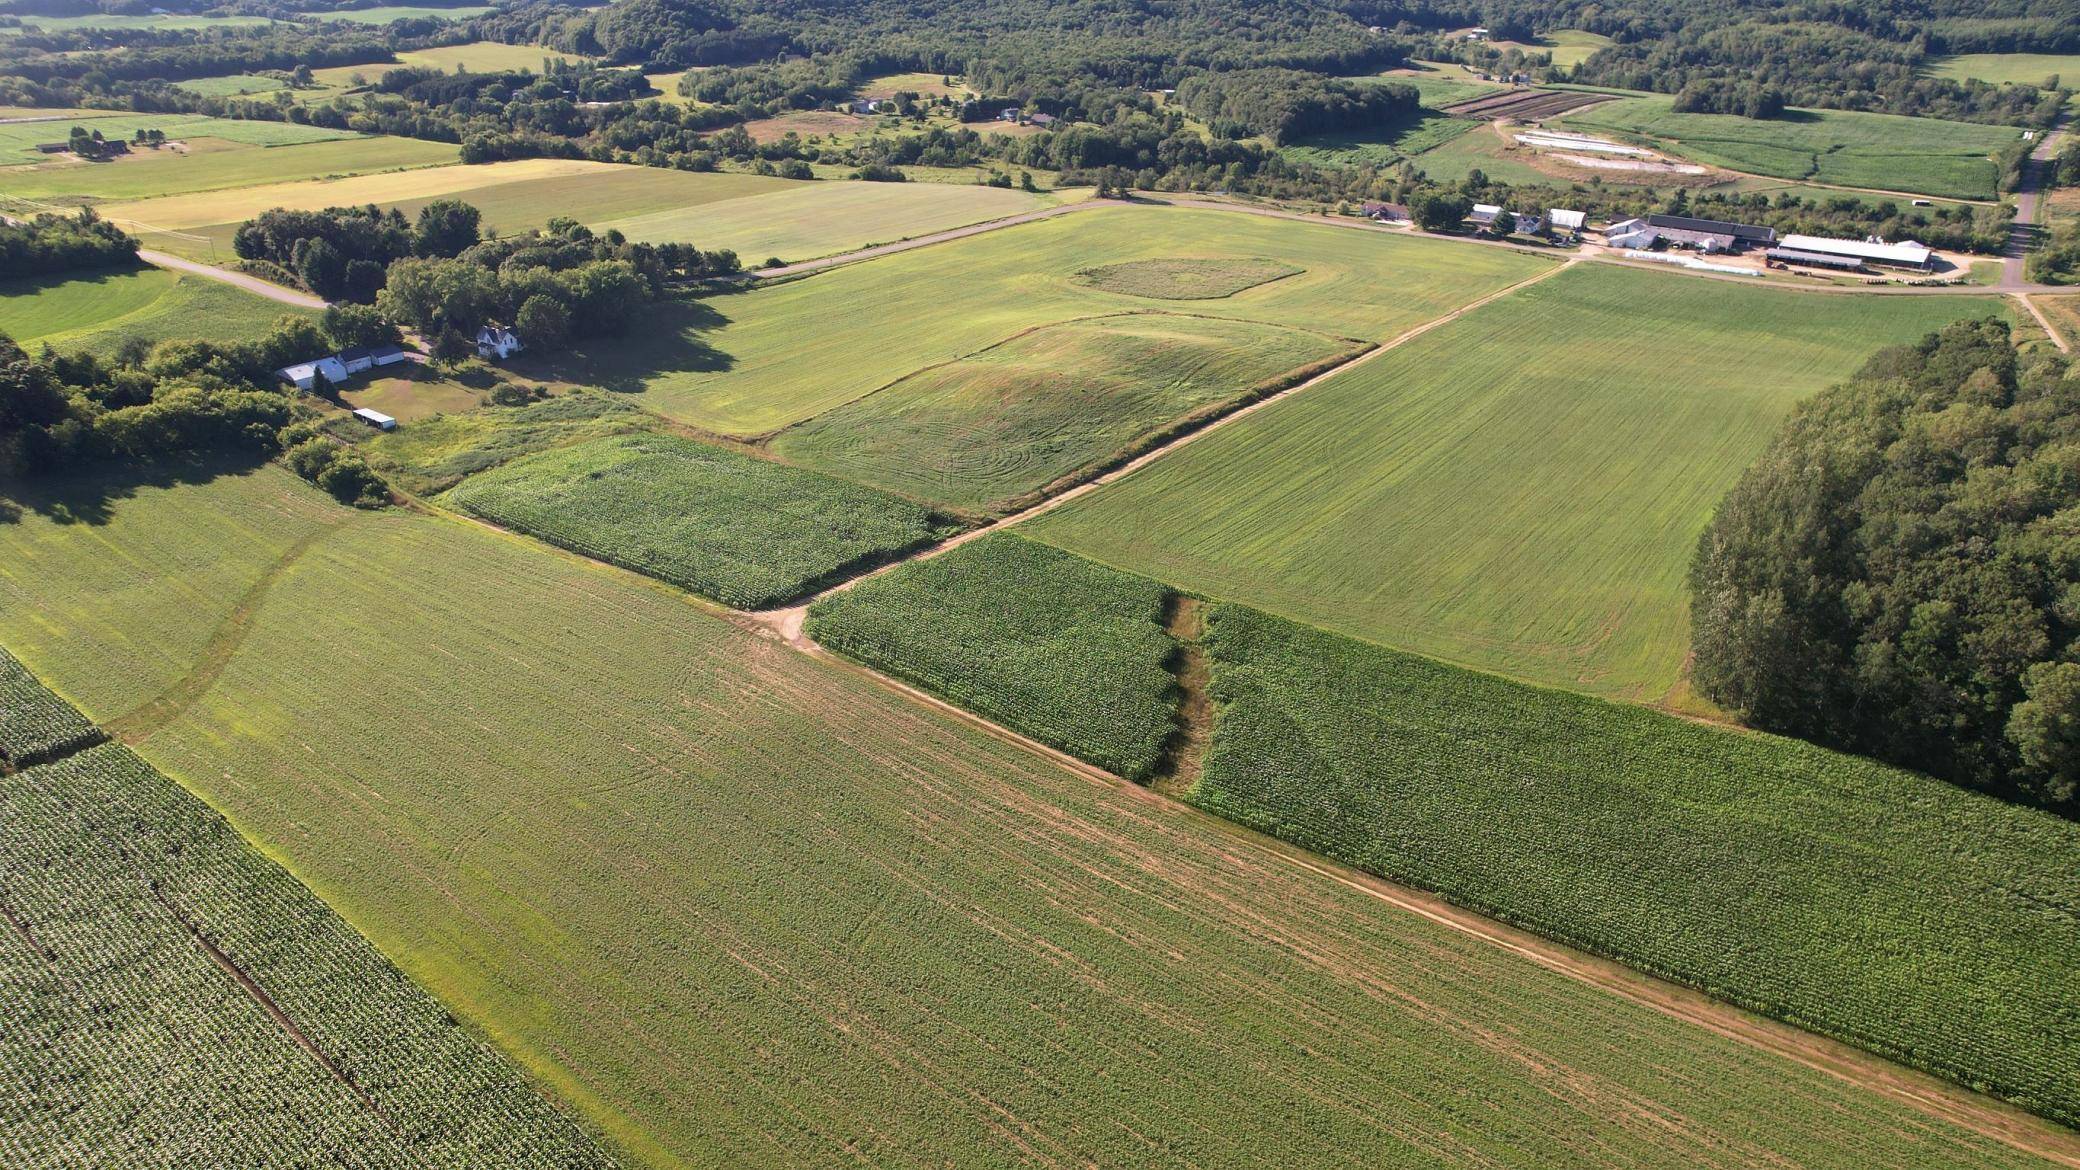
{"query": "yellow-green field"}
{"type": "Point", "coordinates": [476, 57]}
{"type": "Point", "coordinates": [213, 164]}
{"type": "Point", "coordinates": [1518, 490]}
{"type": "Point", "coordinates": [756, 361]}
{"type": "Point", "coordinates": [18, 141]}
{"type": "Point", "coordinates": [756, 216]}
{"type": "Point", "coordinates": [2012, 68]}
{"type": "Point", "coordinates": [736, 903]}
{"type": "Point", "coordinates": [1569, 46]}
{"type": "Point", "coordinates": [98, 312]}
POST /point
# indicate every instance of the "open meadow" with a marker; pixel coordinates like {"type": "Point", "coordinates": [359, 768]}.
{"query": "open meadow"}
{"type": "Point", "coordinates": [99, 311]}
{"type": "Point", "coordinates": [758, 360]}
{"type": "Point", "coordinates": [755, 216]}
{"type": "Point", "coordinates": [1517, 490]}
{"type": "Point", "coordinates": [785, 912]}
{"type": "Point", "coordinates": [215, 164]}
{"type": "Point", "coordinates": [2012, 68]}
{"type": "Point", "coordinates": [1924, 156]}
{"type": "Point", "coordinates": [154, 21]}
{"type": "Point", "coordinates": [18, 140]}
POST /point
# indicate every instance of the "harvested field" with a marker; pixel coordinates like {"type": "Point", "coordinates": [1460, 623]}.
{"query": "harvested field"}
{"type": "Point", "coordinates": [807, 123]}
{"type": "Point", "coordinates": [727, 898]}
{"type": "Point", "coordinates": [741, 530]}
{"type": "Point", "coordinates": [1518, 490]}
{"type": "Point", "coordinates": [1524, 105]}
{"type": "Point", "coordinates": [776, 354]}
{"type": "Point", "coordinates": [151, 174]}
{"type": "Point", "coordinates": [994, 428]}
{"type": "Point", "coordinates": [1186, 280]}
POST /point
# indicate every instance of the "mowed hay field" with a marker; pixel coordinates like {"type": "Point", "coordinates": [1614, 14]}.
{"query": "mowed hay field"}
{"type": "Point", "coordinates": [756, 361]}
{"type": "Point", "coordinates": [1517, 490]}
{"type": "Point", "coordinates": [2012, 68]}
{"type": "Point", "coordinates": [99, 311]}
{"type": "Point", "coordinates": [753, 215]}
{"type": "Point", "coordinates": [1926, 156]}
{"type": "Point", "coordinates": [215, 164]}
{"type": "Point", "coordinates": [1061, 401]}
{"type": "Point", "coordinates": [738, 903]}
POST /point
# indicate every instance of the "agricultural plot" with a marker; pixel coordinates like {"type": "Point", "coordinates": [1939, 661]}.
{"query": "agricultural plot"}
{"type": "Point", "coordinates": [1817, 887]}
{"type": "Point", "coordinates": [232, 85]}
{"type": "Point", "coordinates": [1886, 152]}
{"type": "Point", "coordinates": [36, 725]}
{"type": "Point", "coordinates": [131, 1039]}
{"type": "Point", "coordinates": [1381, 146]}
{"type": "Point", "coordinates": [100, 312]}
{"type": "Point", "coordinates": [730, 900]}
{"type": "Point", "coordinates": [1568, 46]}
{"type": "Point", "coordinates": [1081, 664]}
{"type": "Point", "coordinates": [1517, 490]}
{"type": "Point", "coordinates": [18, 140]}
{"type": "Point", "coordinates": [1047, 407]}
{"type": "Point", "coordinates": [157, 22]}
{"type": "Point", "coordinates": [1489, 152]}
{"type": "Point", "coordinates": [2011, 68]}
{"type": "Point", "coordinates": [757, 361]}
{"type": "Point", "coordinates": [213, 165]}
{"type": "Point", "coordinates": [744, 531]}
{"type": "Point", "coordinates": [2063, 312]}
{"type": "Point", "coordinates": [434, 455]}
{"type": "Point", "coordinates": [386, 13]}
{"type": "Point", "coordinates": [1186, 280]}
{"type": "Point", "coordinates": [1750, 866]}
{"type": "Point", "coordinates": [475, 57]}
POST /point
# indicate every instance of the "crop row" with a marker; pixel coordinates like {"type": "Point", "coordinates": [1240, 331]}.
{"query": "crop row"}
{"type": "Point", "coordinates": [1051, 645]}
{"type": "Point", "coordinates": [131, 1041]}
{"type": "Point", "coordinates": [36, 725]}
{"type": "Point", "coordinates": [1923, 921]}
{"type": "Point", "coordinates": [747, 532]}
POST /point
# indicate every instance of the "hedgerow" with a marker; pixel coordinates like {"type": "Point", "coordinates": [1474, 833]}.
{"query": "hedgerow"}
{"type": "Point", "coordinates": [36, 725]}
{"type": "Point", "coordinates": [1889, 909]}
{"type": "Point", "coordinates": [130, 1042]}
{"type": "Point", "coordinates": [1049, 644]}
{"type": "Point", "coordinates": [744, 531]}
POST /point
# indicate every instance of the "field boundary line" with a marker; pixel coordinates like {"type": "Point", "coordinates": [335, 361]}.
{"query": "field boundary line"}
{"type": "Point", "coordinates": [2044, 322]}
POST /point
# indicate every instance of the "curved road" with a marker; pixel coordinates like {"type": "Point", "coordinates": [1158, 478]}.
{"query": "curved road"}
{"type": "Point", "coordinates": [252, 284]}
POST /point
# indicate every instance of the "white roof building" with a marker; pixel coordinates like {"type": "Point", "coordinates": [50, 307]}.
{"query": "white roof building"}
{"type": "Point", "coordinates": [1566, 220]}
{"type": "Point", "coordinates": [1905, 252]}
{"type": "Point", "coordinates": [376, 419]}
{"type": "Point", "coordinates": [305, 375]}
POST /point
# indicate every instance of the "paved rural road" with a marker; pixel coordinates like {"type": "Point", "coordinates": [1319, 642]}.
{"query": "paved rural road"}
{"type": "Point", "coordinates": [2023, 231]}
{"type": "Point", "coordinates": [252, 284]}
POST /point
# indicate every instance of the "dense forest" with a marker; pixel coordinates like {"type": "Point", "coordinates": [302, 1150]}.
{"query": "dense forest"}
{"type": "Point", "coordinates": [1899, 575]}
{"type": "Point", "coordinates": [48, 245]}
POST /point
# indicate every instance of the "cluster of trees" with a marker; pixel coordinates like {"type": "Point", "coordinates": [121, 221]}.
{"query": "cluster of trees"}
{"type": "Point", "coordinates": [344, 253]}
{"type": "Point", "coordinates": [1899, 575]}
{"type": "Point", "coordinates": [1725, 95]}
{"type": "Point", "coordinates": [1285, 104]}
{"type": "Point", "coordinates": [51, 244]}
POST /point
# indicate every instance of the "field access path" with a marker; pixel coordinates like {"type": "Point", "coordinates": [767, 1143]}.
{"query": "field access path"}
{"type": "Point", "coordinates": [252, 284]}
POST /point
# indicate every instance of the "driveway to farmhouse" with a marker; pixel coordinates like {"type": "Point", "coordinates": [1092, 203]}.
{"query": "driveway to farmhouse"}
{"type": "Point", "coordinates": [252, 284]}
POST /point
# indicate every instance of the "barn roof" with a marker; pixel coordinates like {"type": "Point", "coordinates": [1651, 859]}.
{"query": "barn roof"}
{"type": "Point", "coordinates": [1716, 227]}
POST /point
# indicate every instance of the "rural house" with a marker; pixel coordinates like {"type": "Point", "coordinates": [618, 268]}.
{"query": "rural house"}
{"type": "Point", "coordinates": [497, 341]}
{"type": "Point", "coordinates": [1385, 212]}
{"type": "Point", "coordinates": [1529, 223]}
{"type": "Point", "coordinates": [1041, 119]}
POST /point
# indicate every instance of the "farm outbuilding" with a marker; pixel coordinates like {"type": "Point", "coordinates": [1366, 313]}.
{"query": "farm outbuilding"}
{"type": "Point", "coordinates": [1813, 259]}
{"type": "Point", "coordinates": [1711, 234]}
{"type": "Point", "coordinates": [1485, 214]}
{"type": "Point", "coordinates": [1564, 220]}
{"type": "Point", "coordinates": [1386, 212]}
{"type": "Point", "coordinates": [1905, 254]}
{"type": "Point", "coordinates": [376, 419]}
{"type": "Point", "coordinates": [305, 375]}
{"type": "Point", "coordinates": [1631, 233]}
{"type": "Point", "coordinates": [370, 357]}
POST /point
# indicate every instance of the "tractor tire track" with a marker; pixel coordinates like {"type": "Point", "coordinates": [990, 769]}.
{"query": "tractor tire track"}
{"type": "Point", "coordinates": [138, 724]}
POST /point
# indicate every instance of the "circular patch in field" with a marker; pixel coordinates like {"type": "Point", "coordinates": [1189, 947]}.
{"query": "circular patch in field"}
{"type": "Point", "coordinates": [1185, 280]}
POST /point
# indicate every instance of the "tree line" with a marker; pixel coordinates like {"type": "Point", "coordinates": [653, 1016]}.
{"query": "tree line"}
{"type": "Point", "coordinates": [52, 245]}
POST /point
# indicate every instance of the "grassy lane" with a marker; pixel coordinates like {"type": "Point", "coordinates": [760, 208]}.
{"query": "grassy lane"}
{"type": "Point", "coordinates": [1518, 489]}
{"type": "Point", "coordinates": [743, 904]}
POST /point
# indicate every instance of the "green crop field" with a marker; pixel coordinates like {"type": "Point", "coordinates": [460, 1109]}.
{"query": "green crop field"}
{"type": "Point", "coordinates": [741, 530]}
{"type": "Point", "coordinates": [156, 22]}
{"type": "Point", "coordinates": [1081, 666]}
{"type": "Point", "coordinates": [776, 354]}
{"type": "Point", "coordinates": [1483, 149]}
{"type": "Point", "coordinates": [1818, 887]}
{"type": "Point", "coordinates": [1517, 490]}
{"type": "Point", "coordinates": [1438, 84]}
{"type": "Point", "coordinates": [387, 13]}
{"type": "Point", "coordinates": [475, 57]}
{"type": "Point", "coordinates": [1810, 885]}
{"type": "Point", "coordinates": [1569, 46]}
{"type": "Point", "coordinates": [131, 1042]}
{"type": "Point", "coordinates": [2012, 68]}
{"type": "Point", "coordinates": [1056, 404]}
{"type": "Point", "coordinates": [1924, 156]}
{"type": "Point", "coordinates": [1186, 280]}
{"type": "Point", "coordinates": [232, 85]}
{"type": "Point", "coordinates": [149, 174]}
{"type": "Point", "coordinates": [734, 902]}
{"type": "Point", "coordinates": [1382, 147]}
{"type": "Point", "coordinates": [18, 141]}
{"type": "Point", "coordinates": [805, 220]}
{"type": "Point", "coordinates": [36, 725]}
{"type": "Point", "coordinates": [99, 312]}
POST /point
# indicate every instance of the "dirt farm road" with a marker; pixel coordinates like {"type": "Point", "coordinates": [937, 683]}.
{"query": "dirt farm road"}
{"type": "Point", "coordinates": [252, 284]}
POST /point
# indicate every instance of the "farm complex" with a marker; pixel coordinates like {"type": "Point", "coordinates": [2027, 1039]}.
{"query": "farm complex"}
{"type": "Point", "coordinates": [614, 586]}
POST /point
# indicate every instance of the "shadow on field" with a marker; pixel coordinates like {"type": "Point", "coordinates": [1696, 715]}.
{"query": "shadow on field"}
{"type": "Point", "coordinates": [665, 339]}
{"type": "Point", "coordinates": [89, 495]}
